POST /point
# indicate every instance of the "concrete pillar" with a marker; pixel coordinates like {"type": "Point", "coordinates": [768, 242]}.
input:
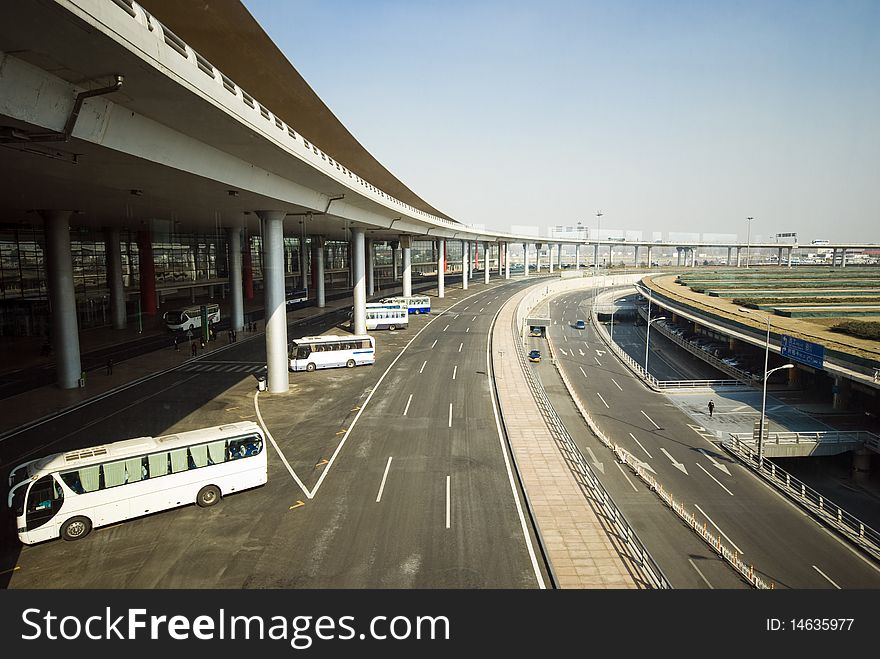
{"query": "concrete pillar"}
{"type": "Point", "coordinates": [559, 256]}
{"type": "Point", "coordinates": [778, 256]}
{"type": "Point", "coordinates": [790, 252]}
{"type": "Point", "coordinates": [465, 260]}
{"type": "Point", "coordinates": [550, 258]}
{"type": "Point", "coordinates": [406, 247]}
{"type": "Point", "coordinates": [441, 268]}
{"type": "Point", "coordinates": [394, 245]}
{"type": "Point", "coordinates": [861, 466]}
{"type": "Point", "coordinates": [272, 223]}
{"type": "Point", "coordinates": [318, 243]}
{"type": "Point", "coordinates": [506, 260]}
{"type": "Point", "coordinates": [739, 257]}
{"type": "Point", "coordinates": [485, 263]}
{"type": "Point", "coordinates": [501, 259]}
{"type": "Point", "coordinates": [678, 262]}
{"type": "Point", "coordinates": [233, 247]}
{"type": "Point", "coordinates": [114, 278]}
{"type": "Point", "coordinates": [596, 256]}
{"type": "Point", "coordinates": [247, 268]}
{"type": "Point", "coordinates": [694, 257]}
{"type": "Point", "coordinates": [840, 390]}
{"type": "Point", "coordinates": [729, 250]}
{"type": "Point", "coordinates": [525, 259]}
{"type": "Point", "coordinates": [359, 288]}
{"type": "Point", "coordinates": [577, 257]}
{"type": "Point", "coordinates": [636, 256]}
{"type": "Point", "coordinates": [611, 255]}
{"type": "Point", "coordinates": [843, 258]}
{"type": "Point", "coordinates": [147, 273]}
{"type": "Point", "coordinates": [538, 258]}
{"type": "Point", "coordinates": [833, 258]}
{"type": "Point", "coordinates": [650, 260]}
{"type": "Point", "coordinates": [62, 298]}
{"type": "Point", "coordinates": [371, 274]}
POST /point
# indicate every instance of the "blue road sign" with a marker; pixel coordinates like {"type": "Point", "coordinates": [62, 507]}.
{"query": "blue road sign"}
{"type": "Point", "coordinates": [805, 352]}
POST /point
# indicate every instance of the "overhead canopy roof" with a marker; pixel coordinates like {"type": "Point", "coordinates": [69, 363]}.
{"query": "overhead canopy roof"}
{"type": "Point", "coordinates": [225, 33]}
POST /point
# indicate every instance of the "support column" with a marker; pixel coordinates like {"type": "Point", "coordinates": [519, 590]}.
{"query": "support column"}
{"type": "Point", "coordinates": [778, 256]}
{"type": "Point", "coordinates": [441, 268]}
{"type": "Point", "coordinates": [114, 278]}
{"type": "Point", "coordinates": [833, 258]}
{"type": "Point", "coordinates": [371, 274]}
{"type": "Point", "coordinates": [729, 250]}
{"type": "Point", "coordinates": [636, 257]}
{"type": "Point", "coordinates": [318, 242]}
{"type": "Point", "coordinates": [465, 261]}
{"type": "Point", "coordinates": [501, 259]}
{"type": "Point", "coordinates": [790, 252]}
{"type": "Point", "coordinates": [406, 246]}
{"type": "Point", "coordinates": [739, 257]}
{"type": "Point", "coordinates": [233, 247]}
{"type": "Point", "coordinates": [147, 273]}
{"type": "Point", "coordinates": [525, 259]}
{"type": "Point", "coordinates": [577, 257]}
{"type": "Point", "coordinates": [843, 258]}
{"type": "Point", "coordinates": [359, 288]}
{"type": "Point", "coordinates": [506, 260]}
{"type": "Point", "coordinates": [273, 294]}
{"type": "Point", "coordinates": [861, 465]}
{"type": "Point", "coordinates": [650, 260]}
{"type": "Point", "coordinates": [559, 257]}
{"type": "Point", "coordinates": [678, 262]}
{"type": "Point", "coordinates": [394, 245]}
{"type": "Point", "coordinates": [537, 258]}
{"type": "Point", "coordinates": [485, 263]}
{"type": "Point", "coordinates": [62, 298]}
{"type": "Point", "coordinates": [841, 390]}
{"type": "Point", "coordinates": [247, 268]}
{"type": "Point", "coordinates": [611, 255]}
{"type": "Point", "coordinates": [596, 257]}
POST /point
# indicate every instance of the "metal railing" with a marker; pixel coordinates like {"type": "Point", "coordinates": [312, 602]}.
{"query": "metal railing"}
{"type": "Point", "coordinates": [645, 564]}
{"type": "Point", "coordinates": [864, 437]}
{"type": "Point", "coordinates": [867, 538]}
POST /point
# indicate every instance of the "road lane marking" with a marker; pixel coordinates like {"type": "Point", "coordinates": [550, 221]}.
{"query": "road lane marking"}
{"type": "Point", "coordinates": [278, 450]}
{"type": "Point", "coordinates": [640, 444]}
{"type": "Point", "coordinates": [651, 420]}
{"type": "Point", "coordinates": [460, 346]}
{"type": "Point", "coordinates": [626, 477]}
{"type": "Point", "coordinates": [732, 543]}
{"type": "Point", "coordinates": [827, 577]}
{"type": "Point", "coordinates": [423, 367]}
{"type": "Point", "coordinates": [454, 371]}
{"type": "Point", "coordinates": [384, 476]}
{"type": "Point", "coordinates": [408, 401]}
{"type": "Point", "coordinates": [433, 344]}
{"type": "Point", "coordinates": [450, 415]}
{"type": "Point", "coordinates": [714, 479]}
{"type": "Point", "coordinates": [702, 576]}
{"type": "Point", "coordinates": [447, 503]}
{"type": "Point", "coordinates": [321, 463]}
{"type": "Point", "coordinates": [562, 350]}
{"type": "Point", "coordinates": [299, 504]}
{"type": "Point", "coordinates": [598, 362]}
{"type": "Point", "coordinates": [581, 351]}
{"type": "Point", "coordinates": [565, 337]}
{"type": "Point", "coordinates": [473, 319]}
{"type": "Point", "coordinates": [467, 330]}
{"type": "Point", "coordinates": [583, 371]}
{"type": "Point", "coordinates": [714, 461]}
{"type": "Point", "coordinates": [446, 328]}
{"type": "Point", "coordinates": [603, 400]}
{"type": "Point", "coordinates": [616, 385]}
{"type": "Point", "coordinates": [17, 567]}
{"type": "Point", "coordinates": [677, 465]}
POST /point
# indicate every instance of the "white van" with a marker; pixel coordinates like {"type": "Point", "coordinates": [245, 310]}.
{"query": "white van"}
{"type": "Point", "coordinates": [190, 318]}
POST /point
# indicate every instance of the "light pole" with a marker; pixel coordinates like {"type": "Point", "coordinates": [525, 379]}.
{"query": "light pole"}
{"type": "Point", "coordinates": [648, 338]}
{"type": "Point", "coordinates": [749, 240]}
{"type": "Point", "coordinates": [598, 228]}
{"type": "Point", "coordinates": [763, 410]}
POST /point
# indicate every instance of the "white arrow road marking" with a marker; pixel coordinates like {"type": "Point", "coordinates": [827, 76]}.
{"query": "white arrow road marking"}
{"type": "Point", "coordinates": [600, 352]}
{"type": "Point", "coordinates": [563, 352]}
{"type": "Point", "coordinates": [714, 461]}
{"type": "Point", "coordinates": [640, 444]}
{"type": "Point", "coordinates": [677, 465]}
{"type": "Point", "coordinates": [732, 543]}
{"type": "Point", "coordinates": [598, 465]}
{"type": "Point", "coordinates": [714, 479]}
{"type": "Point", "coordinates": [581, 351]}
{"type": "Point", "coordinates": [639, 463]}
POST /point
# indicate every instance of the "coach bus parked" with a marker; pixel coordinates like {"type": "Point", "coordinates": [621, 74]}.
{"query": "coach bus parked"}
{"type": "Point", "coordinates": [386, 316]}
{"type": "Point", "coordinates": [190, 318]}
{"type": "Point", "coordinates": [413, 303]}
{"type": "Point", "coordinates": [313, 352]}
{"type": "Point", "coordinates": [69, 494]}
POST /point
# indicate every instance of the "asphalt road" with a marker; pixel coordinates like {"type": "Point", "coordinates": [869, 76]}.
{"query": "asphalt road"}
{"type": "Point", "coordinates": [782, 542]}
{"type": "Point", "coordinates": [447, 515]}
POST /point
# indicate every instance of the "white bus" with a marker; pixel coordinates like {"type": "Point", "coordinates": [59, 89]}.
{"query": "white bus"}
{"type": "Point", "coordinates": [386, 316]}
{"type": "Point", "coordinates": [190, 318]}
{"type": "Point", "coordinates": [413, 303]}
{"type": "Point", "coordinates": [313, 352]}
{"type": "Point", "coordinates": [69, 494]}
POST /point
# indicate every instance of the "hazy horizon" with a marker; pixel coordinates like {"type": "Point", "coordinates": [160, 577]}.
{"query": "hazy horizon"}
{"type": "Point", "coordinates": [673, 117]}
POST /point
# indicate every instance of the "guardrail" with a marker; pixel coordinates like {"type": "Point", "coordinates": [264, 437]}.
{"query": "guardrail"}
{"type": "Point", "coordinates": [635, 549]}
{"type": "Point", "coordinates": [714, 541]}
{"type": "Point", "coordinates": [867, 538]}
{"type": "Point", "coordinates": [813, 437]}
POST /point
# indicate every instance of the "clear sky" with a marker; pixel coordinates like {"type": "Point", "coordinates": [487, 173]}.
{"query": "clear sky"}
{"type": "Point", "coordinates": [664, 115]}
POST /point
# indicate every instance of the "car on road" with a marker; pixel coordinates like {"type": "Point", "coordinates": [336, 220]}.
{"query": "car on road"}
{"type": "Point", "coordinates": [579, 324]}
{"type": "Point", "coordinates": [535, 356]}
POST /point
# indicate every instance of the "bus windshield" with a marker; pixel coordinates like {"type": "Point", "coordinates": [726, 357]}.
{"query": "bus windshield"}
{"type": "Point", "coordinates": [175, 317]}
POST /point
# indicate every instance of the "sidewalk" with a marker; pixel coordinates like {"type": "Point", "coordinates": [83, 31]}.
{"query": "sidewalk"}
{"type": "Point", "coordinates": [580, 549]}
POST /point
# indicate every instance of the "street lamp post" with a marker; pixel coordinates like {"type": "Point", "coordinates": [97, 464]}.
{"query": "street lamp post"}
{"type": "Point", "coordinates": [598, 228]}
{"type": "Point", "coordinates": [764, 409]}
{"type": "Point", "coordinates": [648, 338]}
{"type": "Point", "coordinates": [749, 240]}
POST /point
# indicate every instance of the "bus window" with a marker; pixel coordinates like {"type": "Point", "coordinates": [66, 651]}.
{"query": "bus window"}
{"type": "Point", "coordinates": [217, 452]}
{"type": "Point", "coordinates": [44, 501]}
{"type": "Point", "coordinates": [244, 447]}
{"type": "Point", "coordinates": [114, 474]}
{"type": "Point", "coordinates": [178, 460]}
{"type": "Point", "coordinates": [199, 455]}
{"type": "Point", "coordinates": [158, 464]}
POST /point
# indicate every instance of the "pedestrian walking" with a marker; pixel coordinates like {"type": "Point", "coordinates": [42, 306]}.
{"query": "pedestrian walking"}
{"type": "Point", "coordinates": [711, 408]}
{"type": "Point", "coordinates": [212, 333]}
{"type": "Point", "coordinates": [234, 336]}
{"type": "Point", "coordinates": [229, 336]}
{"type": "Point", "coordinates": [110, 366]}
{"type": "Point", "coordinates": [194, 349]}
{"type": "Point", "coordinates": [176, 343]}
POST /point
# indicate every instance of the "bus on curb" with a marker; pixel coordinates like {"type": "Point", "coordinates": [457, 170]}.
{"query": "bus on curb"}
{"type": "Point", "coordinates": [68, 494]}
{"type": "Point", "coordinates": [186, 319]}
{"type": "Point", "coordinates": [413, 303]}
{"type": "Point", "coordinates": [386, 316]}
{"type": "Point", "coordinates": [313, 352]}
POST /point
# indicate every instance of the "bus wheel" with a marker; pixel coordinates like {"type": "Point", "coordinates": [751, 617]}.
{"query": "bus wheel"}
{"type": "Point", "coordinates": [208, 496]}
{"type": "Point", "coordinates": [76, 528]}
{"type": "Point", "coordinates": [349, 363]}
{"type": "Point", "coordinates": [310, 367]}
{"type": "Point", "coordinates": [392, 327]}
